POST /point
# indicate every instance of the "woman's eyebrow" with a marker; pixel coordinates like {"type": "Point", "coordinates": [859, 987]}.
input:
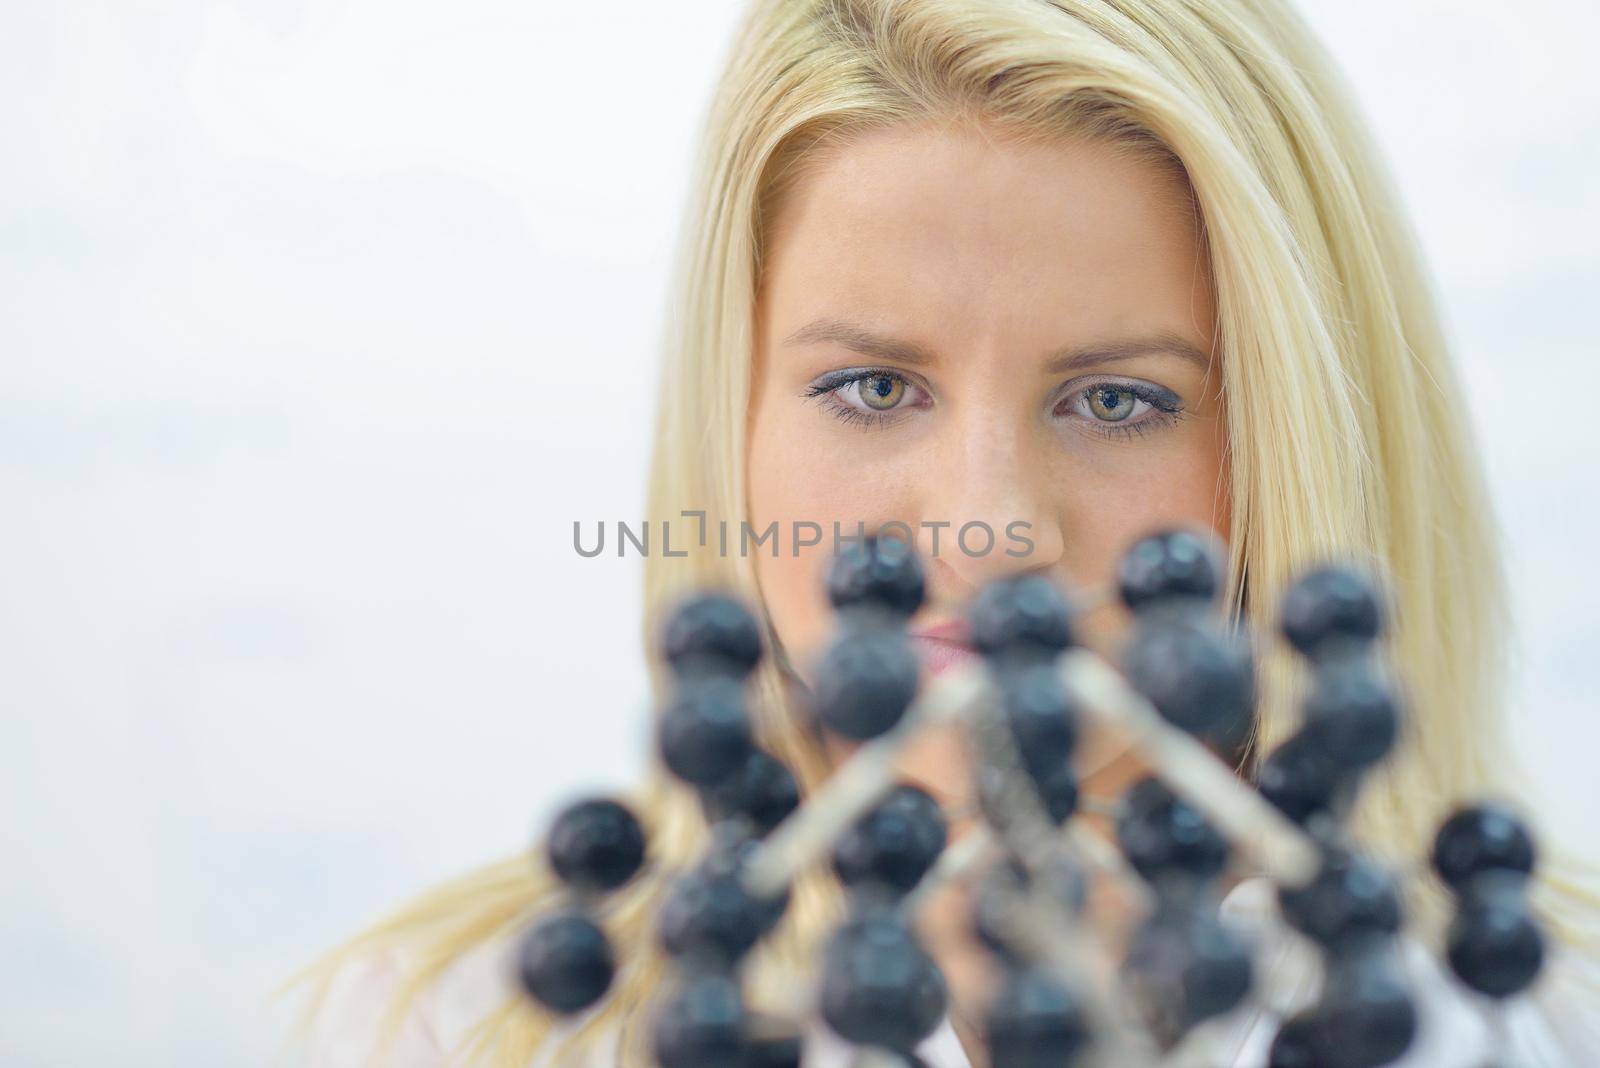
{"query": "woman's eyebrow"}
{"type": "Point", "coordinates": [858, 338]}
{"type": "Point", "coordinates": [1078, 357]}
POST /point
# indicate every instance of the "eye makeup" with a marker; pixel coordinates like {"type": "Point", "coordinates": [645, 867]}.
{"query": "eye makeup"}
{"type": "Point", "coordinates": [877, 397]}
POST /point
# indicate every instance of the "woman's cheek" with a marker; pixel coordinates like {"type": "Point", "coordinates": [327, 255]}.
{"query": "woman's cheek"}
{"type": "Point", "coordinates": [796, 479]}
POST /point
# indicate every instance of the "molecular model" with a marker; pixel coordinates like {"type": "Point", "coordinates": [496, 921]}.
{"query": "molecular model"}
{"type": "Point", "coordinates": [1071, 994]}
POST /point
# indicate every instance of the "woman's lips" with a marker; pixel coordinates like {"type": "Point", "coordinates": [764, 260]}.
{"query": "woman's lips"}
{"type": "Point", "coordinates": [941, 654]}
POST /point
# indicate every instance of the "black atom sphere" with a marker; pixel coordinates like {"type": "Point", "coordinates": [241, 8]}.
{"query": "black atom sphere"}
{"type": "Point", "coordinates": [1296, 1043]}
{"type": "Point", "coordinates": [1035, 1022]}
{"type": "Point", "coordinates": [1301, 778]}
{"type": "Point", "coordinates": [708, 916]}
{"type": "Point", "coordinates": [1367, 1017]}
{"type": "Point", "coordinates": [565, 962]}
{"type": "Point", "coordinates": [865, 682]}
{"type": "Point", "coordinates": [1020, 616]}
{"type": "Point", "coordinates": [879, 987]}
{"type": "Point", "coordinates": [1041, 714]}
{"type": "Point", "coordinates": [1170, 566]}
{"type": "Point", "coordinates": [1349, 899]}
{"type": "Point", "coordinates": [1352, 713]}
{"type": "Point", "coordinates": [762, 790]}
{"type": "Point", "coordinates": [704, 732]}
{"type": "Point", "coordinates": [1494, 944]}
{"type": "Point", "coordinates": [711, 632]}
{"type": "Point", "coordinates": [596, 844]}
{"type": "Point", "coordinates": [1164, 837]}
{"type": "Point", "coordinates": [895, 844]}
{"type": "Point", "coordinates": [1199, 675]}
{"type": "Point", "coordinates": [1479, 838]}
{"type": "Point", "coordinates": [701, 1023]}
{"type": "Point", "coordinates": [1189, 966]}
{"type": "Point", "coordinates": [878, 573]}
{"type": "Point", "coordinates": [1330, 608]}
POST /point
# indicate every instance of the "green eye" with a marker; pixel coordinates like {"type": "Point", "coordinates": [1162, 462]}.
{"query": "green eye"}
{"type": "Point", "coordinates": [1110, 404]}
{"type": "Point", "coordinates": [882, 391]}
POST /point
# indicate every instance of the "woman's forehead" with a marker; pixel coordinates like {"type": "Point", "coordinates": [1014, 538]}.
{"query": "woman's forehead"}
{"type": "Point", "coordinates": [949, 230]}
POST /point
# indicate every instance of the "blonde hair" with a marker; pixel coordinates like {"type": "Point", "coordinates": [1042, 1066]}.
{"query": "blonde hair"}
{"type": "Point", "coordinates": [1347, 435]}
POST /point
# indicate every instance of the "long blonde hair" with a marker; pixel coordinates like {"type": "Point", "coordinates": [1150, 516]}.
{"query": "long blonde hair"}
{"type": "Point", "coordinates": [1347, 433]}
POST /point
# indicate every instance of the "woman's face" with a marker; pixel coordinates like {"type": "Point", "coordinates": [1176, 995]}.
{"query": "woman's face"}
{"type": "Point", "coordinates": [956, 328]}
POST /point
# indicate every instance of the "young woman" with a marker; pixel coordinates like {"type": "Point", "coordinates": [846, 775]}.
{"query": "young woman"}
{"type": "Point", "coordinates": [1075, 268]}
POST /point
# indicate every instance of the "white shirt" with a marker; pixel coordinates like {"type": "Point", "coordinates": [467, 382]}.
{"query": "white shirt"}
{"type": "Point", "coordinates": [1556, 1025]}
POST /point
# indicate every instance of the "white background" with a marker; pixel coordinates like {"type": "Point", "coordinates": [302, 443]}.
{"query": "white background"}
{"type": "Point", "coordinates": [319, 325]}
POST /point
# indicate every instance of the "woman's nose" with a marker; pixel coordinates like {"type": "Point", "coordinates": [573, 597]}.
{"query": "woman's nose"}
{"type": "Point", "coordinates": [989, 509]}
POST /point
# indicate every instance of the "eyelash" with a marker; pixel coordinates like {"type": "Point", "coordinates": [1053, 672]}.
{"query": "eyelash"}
{"type": "Point", "coordinates": [1165, 409]}
{"type": "Point", "coordinates": [827, 388]}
